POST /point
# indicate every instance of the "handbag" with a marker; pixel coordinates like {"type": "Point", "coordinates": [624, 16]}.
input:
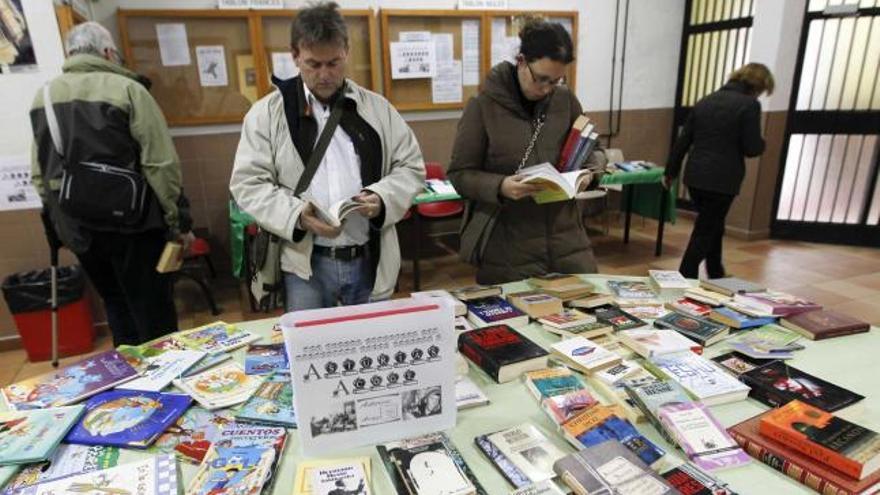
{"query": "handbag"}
{"type": "Point", "coordinates": [478, 220]}
{"type": "Point", "coordinates": [267, 280]}
{"type": "Point", "coordinates": [99, 194]}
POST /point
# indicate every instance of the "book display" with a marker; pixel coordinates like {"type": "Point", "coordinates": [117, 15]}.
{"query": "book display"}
{"type": "Point", "coordinates": [390, 398]}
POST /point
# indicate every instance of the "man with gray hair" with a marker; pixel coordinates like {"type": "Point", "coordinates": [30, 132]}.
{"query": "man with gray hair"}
{"type": "Point", "coordinates": [105, 116]}
{"type": "Point", "coordinates": [365, 153]}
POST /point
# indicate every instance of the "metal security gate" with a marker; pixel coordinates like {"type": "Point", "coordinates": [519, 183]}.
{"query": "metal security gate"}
{"type": "Point", "coordinates": [828, 189]}
{"type": "Point", "coordinates": [716, 39]}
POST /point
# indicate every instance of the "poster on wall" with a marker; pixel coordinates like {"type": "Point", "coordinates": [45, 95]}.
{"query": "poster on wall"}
{"type": "Point", "coordinates": [371, 373]}
{"type": "Point", "coordinates": [173, 44]}
{"type": "Point", "coordinates": [16, 47]}
{"type": "Point", "coordinates": [412, 59]}
{"type": "Point", "coordinates": [212, 65]}
{"type": "Point", "coordinates": [16, 189]}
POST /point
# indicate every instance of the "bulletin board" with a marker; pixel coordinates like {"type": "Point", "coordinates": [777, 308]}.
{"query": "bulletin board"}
{"type": "Point", "coordinates": [248, 38]}
{"type": "Point", "coordinates": [417, 94]}
{"type": "Point", "coordinates": [67, 18]}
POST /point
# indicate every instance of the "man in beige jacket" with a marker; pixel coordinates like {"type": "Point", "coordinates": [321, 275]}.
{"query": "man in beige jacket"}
{"type": "Point", "coordinates": [372, 157]}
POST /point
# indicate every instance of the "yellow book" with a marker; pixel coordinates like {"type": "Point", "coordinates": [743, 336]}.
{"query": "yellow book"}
{"type": "Point", "coordinates": [171, 259]}
{"type": "Point", "coordinates": [303, 484]}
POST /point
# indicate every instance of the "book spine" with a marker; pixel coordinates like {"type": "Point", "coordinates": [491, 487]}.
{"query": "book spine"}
{"type": "Point", "coordinates": [811, 449]}
{"type": "Point", "coordinates": [796, 471]}
{"type": "Point", "coordinates": [584, 153]}
{"type": "Point", "coordinates": [581, 142]}
{"type": "Point", "coordinates": [478, 357]}
{"type": "Point", "coordinates": [567, 149]}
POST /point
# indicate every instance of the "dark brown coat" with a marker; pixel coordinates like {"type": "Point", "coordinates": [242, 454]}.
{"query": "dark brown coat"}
{"type": "Point", "coordinates": [528, 239]}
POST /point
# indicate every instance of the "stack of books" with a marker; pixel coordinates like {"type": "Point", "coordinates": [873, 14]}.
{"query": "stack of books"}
{"type": "Point", "coordinates": [581, 141]}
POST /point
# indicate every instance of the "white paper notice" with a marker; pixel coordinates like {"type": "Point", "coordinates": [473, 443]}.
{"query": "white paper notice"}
{"type": "Point", "coordinates": [16, 189]}
{"type": "Point", "coordinates": [505, 49]}
{"type": "Point", "coordinates": [412, 60]}
{"type": "Point", "coordinates": [372, 373]}
{"type": "Point", "coordinates": [470, 52]}
{"type": "Point", "coordinates": [414, 36]}
{"type": "Point", "coordinates": [173, 45]}
{"type": "Point", "coordinates": [233, 4]}
{"type": "Point", "coordinates": [499, 29]}
{"type": "Point", "coordinates": [283, 66]}
{"type": "Point", "coordinates": [443, 51]}
{"type": "Point", "coordinates": [446, 84]}
{"type": "Point", "coordinates": [212, 65]}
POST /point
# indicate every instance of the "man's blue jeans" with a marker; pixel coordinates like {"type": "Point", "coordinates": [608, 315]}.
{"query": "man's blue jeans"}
{"type": "Point", "coordinates": [333, 282]}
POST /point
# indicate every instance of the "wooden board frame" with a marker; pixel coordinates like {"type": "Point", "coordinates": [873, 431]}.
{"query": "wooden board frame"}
{"type": "Point", "coordinates": [67, 18]}
{"type": "Point", "coordinates": [255, 22]}
{"type": "Point", "coordinates": [388, 17]}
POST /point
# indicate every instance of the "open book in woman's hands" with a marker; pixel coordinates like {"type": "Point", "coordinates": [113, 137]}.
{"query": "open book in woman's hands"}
{"type": "Point", "coordinates": [558, 186]}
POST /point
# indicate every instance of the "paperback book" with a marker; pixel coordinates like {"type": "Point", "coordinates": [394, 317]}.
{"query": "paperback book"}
{"type": "Point", "coordinates": [550, 382]}
{"type": "Point", "coordinates": [589, 330]}
{"type": "Point", "coordinates": [554, 280]}
{"type": "Point", "coordinates": [705, 296]}
{"type": "Point", "coordinates": [688, 479]}
{"type": "Point", "coordinates": [216, 338]}
{"type": "Point", "coordinates": [631, 289]}
{"type": "Point", "coordinates": [220, 387]}
{"type": "Point", "coordinates": [428, 464]}
{"type": "Point", "coordinates": [703, 379]}
{"type": "Point", "coordinates": [649, 342]}
{"type": "Point", "coordinates": [65, 461]}
{"type": "Point", "coordinates": [690, 307]}
{"type": "Point", "coordinates": [159, 371]}
{"type": "Point", "coordinates": [566, 318]}
{"type": "Point", "coordinates": [777, 303]}
{"type": "Point", "coordinates": [609, 468]}
{"type": "Point", "coordinates": [32, 436]}
{"type": "Point", "coordinates": [562, 408]}
{"type": "Point", "coordinates": [192, 435]}
{"type": "Point", "coordinates": [529, 450]}
{"type": "Point", "coordinates": [70, 384]}
{"type": "Point", "coordinates": [591, 301]}
{"type": "Point", "coordinates": [152, 476]}
{"type": "Point", "coordinates": [740, 321]}
{"type": "Point", "coordinates": [668, 280]}
{"type": "Point", "coordinates": [618, 318]}
{"type": "Point", "coordinates": [650, 397]}
{"type": "Point", "coordinates": [766, 342]}
{"type": "Point", "coordinates": [555, 185]}
{"type": "Point", "coordinates": [265, 359]}
{"type": "Point", "coordinates": [340, 479]}
{"type": "Point", "coordinates": [536, 304]}
{"type": "Point", "coordinates": [271, 404]}
{"type": "Point", "coordinates": [614, 374]}
{"type": "Point", "coordinates": [306, 468]}
{"type": "Point", "coordinates": [468, 394]}
{"type": "Point", "coordinates": [508, 469]}
{"type": "Point", "coordinates": [241, 462]}
{"type": "Point", "coordinates": [547, 487]}
{"type": "Point", "coordinates": [584, 355]}
{"type": "Point", "coordinates": [703, 439]}
{"type": "Point", "coordinates": [494, 310]}
{"type": "Point", "coordinates": [703, 332]}
{"type": "Point", "coordinates": [599, 424]}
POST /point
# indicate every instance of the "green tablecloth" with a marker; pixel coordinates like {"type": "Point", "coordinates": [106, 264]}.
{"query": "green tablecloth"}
{"type": "Point", "coordinates": [849, 362]}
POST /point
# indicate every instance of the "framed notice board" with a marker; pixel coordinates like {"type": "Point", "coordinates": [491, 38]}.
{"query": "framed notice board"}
{"type": "Point", "coordinates": [495, 40]}
{"type": "Point", "coordinates": [208, 66]}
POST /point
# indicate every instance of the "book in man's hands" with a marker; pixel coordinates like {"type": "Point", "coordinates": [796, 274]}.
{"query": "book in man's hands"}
{"type": "Point", "coordinates": [171, 258]}
{"type": "Point", "coordinates": [573, 140]}
{"type": "Point", "coordinates": [502, 352]}
{"type": "Point", "coordinates": [556, 186]}
{"type": "Point", "coordinates": [336, 213]}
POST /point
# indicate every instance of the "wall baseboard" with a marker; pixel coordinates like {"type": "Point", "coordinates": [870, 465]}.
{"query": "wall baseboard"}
{"type": "Point", "coordinates": [746, 234]}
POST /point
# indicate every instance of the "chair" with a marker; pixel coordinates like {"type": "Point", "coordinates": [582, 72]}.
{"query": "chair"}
{"type": "Point", "coordinates": [439, 209]}
{"type": "Point", "coordinates": [199, 253]}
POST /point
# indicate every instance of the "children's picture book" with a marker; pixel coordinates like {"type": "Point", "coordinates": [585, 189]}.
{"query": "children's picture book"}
{"type": "Point", "coordinates": [428, 464]}
{"type": "Point", "coordinates": [272, 403]}
{"type": "Point", "coordinates": [305, 468]}
{"type": "Point", "coordinates": [220, 387]}
{"type": "Point", "coordinates": [127, 418]}
{"type": "Point", "coordinates": [265, 359]}
{"type": "Point", "coordinates": [207, 362]}
{"type": "Point", "coordinates": [216, 337]}
{"type": "Point", "coordinates": [65, 461]}
{"type": "Point", "coordinates": [340, 479]}
{"type": "Point", "coordinates": [70, 384]}
{"type": "Point", "coordinates": [241, 462]}
{"type": "Point", "coordinates": [32, 436]}
{"type": "Point", "coordinates": [155, 475]}
{"type": "Point", "coordinates": [192, 435]}
{"type": "Point", "coordinates": [159, 371]}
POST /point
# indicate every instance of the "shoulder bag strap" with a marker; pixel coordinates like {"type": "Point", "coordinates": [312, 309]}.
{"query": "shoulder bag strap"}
{"type": "Point", "coordinates": [52, 120]}
{"type": "Point", "coordinates": [320, 148]}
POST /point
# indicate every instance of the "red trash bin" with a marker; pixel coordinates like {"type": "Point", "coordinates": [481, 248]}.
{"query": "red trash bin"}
{"type": "Point", "coordinates": [28, 296]}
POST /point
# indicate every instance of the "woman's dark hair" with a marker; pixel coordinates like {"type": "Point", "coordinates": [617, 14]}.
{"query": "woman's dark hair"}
{"type": "Point", "coordinates": [319, 22]}
{"type": "Point", "coordinates": [540, 38]}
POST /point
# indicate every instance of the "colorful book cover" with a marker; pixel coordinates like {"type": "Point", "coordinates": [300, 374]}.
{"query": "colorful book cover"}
{"type": "Point", "coordinates": [216, 337]}
{"type": "Point", "coordinates": [702, 378]}
{"type": "Point", "coordinates": [70, 384]}
{"type": "Point", "coordinates": [777, 303]}
{"type": "Point", "coordinates": [735, 319]}
{"type": "Point", "coordinates": [493, 309]}
{"type": "Point", "coordinates": [152, 476]}
{"type": "Point", "coordinates": [616, 428]}
{"type": "Point", "coordinates": [207, 362]}
{"type": "Point", "coordinates": [562, 408]}
{"type": "Point", "coordinates": [551, 382]}
{"type": "Point", "coordinates": [127, 418]}
{"type": "Point", "coordinates": [305, 468]}
{"type": "Point", "coordinates": [702, 438]}
{"type": "Point", "coordinates": [222, 386]}
{"type": "Point", "coordinates": [241, 462]}
{"type": "Point", "coordinates": [766, 342]}
{"type": "Point", "coordinates": [776, 383]}
{"type": "Point", "coordinates": [631, 289]}
{"type": "Point", "coordinates": [31, 436]}
{"type": "Point", "coordinates": [688, 479]}
{"type": "Point", "coordinates": [700, 330]}
{"type": "Point", "coordinates": [690, 307]}
{"type": "Point", "coordinates": [192, 435]}
{"type": "Point", "coordinates": [265, 359]}
{"type": "Point", "coordinates": [271, 404]}
{"type": "Point", "coordinates": [160, 370]}
{"type": "Point", "coordinates": [510, 472]}
{"type": "Point", "coordinates": [65, 461]}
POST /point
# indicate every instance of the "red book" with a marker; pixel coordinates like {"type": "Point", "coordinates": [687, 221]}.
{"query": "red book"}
{"type": "Point", "coordinates": [824, 324]}
{"type": "Point", "coordinates": [571, 141]}
{"type": "Point", "coordinates": [797, 466]}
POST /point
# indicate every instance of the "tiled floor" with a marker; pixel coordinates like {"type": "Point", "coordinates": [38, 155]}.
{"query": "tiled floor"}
{"type": "Point", "coordinates": [845, 278]}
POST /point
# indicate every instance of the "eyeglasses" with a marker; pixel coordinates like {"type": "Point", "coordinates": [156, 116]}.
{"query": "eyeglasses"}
{"type": "Point", "coordinates": [542, 80]}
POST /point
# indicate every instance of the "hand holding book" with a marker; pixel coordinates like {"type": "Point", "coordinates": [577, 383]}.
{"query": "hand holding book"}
{"type": "Point", "coordinates": [513, 187]}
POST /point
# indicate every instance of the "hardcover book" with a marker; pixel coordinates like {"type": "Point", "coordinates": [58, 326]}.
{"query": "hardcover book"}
{"type": "Point", "coordinates": [529, 450]}
{"type": "Point", "coordinates": [535, 303]}
{"type": "Point", "coordinates": [799, 467]}
{"type": "Point", "coordinates": [271, 404]}
{"type": "Point", "coordinates": [340, 479]}
{"type": "Point", "coordinates": [305, 468]}
{"type": "Point", "coordinates": [242, 461]}
{"type": "Point", "coordinates": [735, 319]}
{"type": "Point", "coordinates": [668, 279]}
{"type": "Point", "coordinates": [702, 378]}
{"type": "Point", "coordinates": [70, 384]}
{"type": "Point", "coordinates": [571, 291]}
{"type": "Point", "coordinates": [631, 289]}
{"type": "Point", "coordinates": [494, 310]}
{"type": "Point", "coordinates": [192, 435]}
{"type": "Point", "coordinates": [265, 359]}
{"type": "Point", "coordinates": [702, 438]}
{"type": "Point", "coordinates": [502, 352]}
{"type": "Point", "coordinates": [562, 408]}
{"type": "Point", "coordinates": [159, 371]}
{"type": "Point", "coordinates": [730, 286]}
{"type": "Point", "coordinates": [777, 303]}
{"type": "Point", "coordinates": [609, 468]}
{"type": "Point", "coordinates": [428, 464]}
{"type": "Point", "coordinates": [649, 342]}
{"type": "Point", "coordinates": [847, 447]}
{"type": "Point", "coordinates": [551, 382]}
{"type": "Point", "coordinates": [703, 332]}
{"type": "Point", "coordinates": [32, 436]}
{"type": "Point", "coordinates": [220, 387]}
{"type": "Point", "coordinates": [152, 476]}
{"type": "Point", "coordinates": [824, 324]}
{"type": "Point", "coordinates": [584, 355]}
{"type": "Point", "coordinates": [600, 423]}
{"type": "Point", "coordinates": [216, 338]}
{"type": "Point", "coordinates": [688, 479]}
{"type": "Point", "coordinates": [618, 318]}
{"type": "Point", "coordinates": [507, 469]}
{"type": "Point", "coordinates": [127, 418]}
{"type": "Point", "coordinates": [65, 461]}
{"type": "Point", "coordinates": [472, 292]}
